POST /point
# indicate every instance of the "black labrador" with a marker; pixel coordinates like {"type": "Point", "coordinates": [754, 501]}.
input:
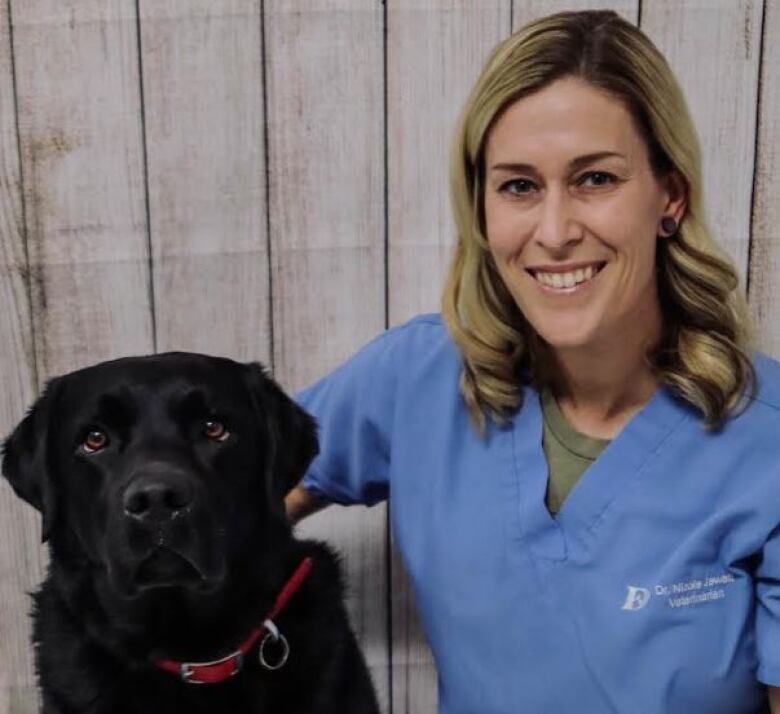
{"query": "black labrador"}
{"type": "Point", "coordinates": [175, 583]}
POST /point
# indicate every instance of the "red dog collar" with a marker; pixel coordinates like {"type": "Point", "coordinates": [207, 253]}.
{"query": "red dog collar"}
{"type": "Point", "coordinates": [225, 668]}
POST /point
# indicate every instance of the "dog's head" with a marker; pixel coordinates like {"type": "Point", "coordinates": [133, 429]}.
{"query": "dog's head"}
{"type": "Point", "coordinates": [161, 471]}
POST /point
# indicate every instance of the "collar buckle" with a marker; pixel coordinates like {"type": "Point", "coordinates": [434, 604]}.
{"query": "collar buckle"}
{"type": "Point", "coordinates": [198, 672]}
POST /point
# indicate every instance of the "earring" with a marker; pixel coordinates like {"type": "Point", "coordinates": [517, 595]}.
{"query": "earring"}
{"type": "Point", "coordinates": [668, 225]}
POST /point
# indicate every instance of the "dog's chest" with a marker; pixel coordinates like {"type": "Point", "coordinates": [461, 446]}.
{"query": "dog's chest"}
{"type": "Point", "coordinates": [248, 693]}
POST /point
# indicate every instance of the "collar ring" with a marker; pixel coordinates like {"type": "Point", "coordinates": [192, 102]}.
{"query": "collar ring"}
{"type": "Point", "coordinates": [277, 638]}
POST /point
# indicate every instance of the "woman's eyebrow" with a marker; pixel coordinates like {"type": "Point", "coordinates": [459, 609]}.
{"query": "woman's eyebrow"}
{"type": "Point", "coordinates": [574, 164]}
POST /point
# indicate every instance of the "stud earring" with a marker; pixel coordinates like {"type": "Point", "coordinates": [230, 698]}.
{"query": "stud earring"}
{"type": "Point", "coordinates": [668, 225]}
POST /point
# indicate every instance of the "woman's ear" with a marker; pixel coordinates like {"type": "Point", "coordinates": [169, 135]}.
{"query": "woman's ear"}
{"type": "Point", "coordinates": [676, 201]}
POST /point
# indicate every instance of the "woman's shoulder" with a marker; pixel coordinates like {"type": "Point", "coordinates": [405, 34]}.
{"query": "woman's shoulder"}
{"type": "Point", "coordinates": [423, 334]}
{"type": "Point", "coordinates": [428, 326]}
{"type": "Point", "coordinates": [758, 421]}
{"type": "Point", "coordinates": [397, 354]}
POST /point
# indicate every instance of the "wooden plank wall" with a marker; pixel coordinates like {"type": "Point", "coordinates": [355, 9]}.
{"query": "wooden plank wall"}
{"type": "Point", "coordinates": [267, 179]}
{"type": "Point", "coordinates": [20, 554]}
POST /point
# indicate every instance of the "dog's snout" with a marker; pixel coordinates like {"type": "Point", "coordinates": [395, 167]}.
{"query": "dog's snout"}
{"type": "Point", "coordinates": [156, 498]}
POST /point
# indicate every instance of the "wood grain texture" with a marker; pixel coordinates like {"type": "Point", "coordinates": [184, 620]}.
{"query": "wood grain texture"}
{"type": "Point", "coordinates": [20, 552]}
{"type": "Point", "coordinates": [82, 163]}
{"type": "Point", "coordinates": [713, 48]}
{"type": "Point", "coordinates": [325, 122]}
{"type": "Point", "coordinates": [324, 72]}
{"type": "Point", "coordinates": [203, 105]}
{"type": "Point", "coordinates": [764, 290]}
{"type": "Point", "coordinates": [435, 51]}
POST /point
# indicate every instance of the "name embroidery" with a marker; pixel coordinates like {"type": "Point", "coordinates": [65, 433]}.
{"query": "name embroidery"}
{"type": "Point", "coordinates": [680, 594]}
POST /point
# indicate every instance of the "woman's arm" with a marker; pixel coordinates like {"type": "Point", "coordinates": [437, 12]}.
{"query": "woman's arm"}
{"type": "Point", "coordinates": [300, 503]}
{"type": "Point", "coordinates": [774, 700]}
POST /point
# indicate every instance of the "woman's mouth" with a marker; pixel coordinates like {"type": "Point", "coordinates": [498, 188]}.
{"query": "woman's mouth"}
{"type": "Point", "coordinates": [566, 280]}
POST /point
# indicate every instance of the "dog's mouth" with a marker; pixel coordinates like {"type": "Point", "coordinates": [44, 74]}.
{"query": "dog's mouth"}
{"type": "Point", "coordinates": [164, 567]}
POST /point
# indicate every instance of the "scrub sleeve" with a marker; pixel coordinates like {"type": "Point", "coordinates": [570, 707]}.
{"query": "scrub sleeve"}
{"type": "Point", "coordinates": [355, 405]}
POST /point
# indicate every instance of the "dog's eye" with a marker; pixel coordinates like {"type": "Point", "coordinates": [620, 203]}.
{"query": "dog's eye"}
{"type": "Point", "coordinates": [215, 430]}
{"type": "Point", "coordinates": [94, 441]}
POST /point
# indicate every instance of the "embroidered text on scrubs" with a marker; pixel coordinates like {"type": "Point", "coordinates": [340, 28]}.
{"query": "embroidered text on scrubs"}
{"type": "Point", "coordinates": [690, 592]}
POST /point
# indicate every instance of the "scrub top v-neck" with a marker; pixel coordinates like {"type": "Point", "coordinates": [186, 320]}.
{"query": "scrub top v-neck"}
{"type": "Point", "coordinates": [567, 451]}
{"type": "Point", "coordinates": [654, 590]}
{"type": "Point", "coordinates": [615, 468]}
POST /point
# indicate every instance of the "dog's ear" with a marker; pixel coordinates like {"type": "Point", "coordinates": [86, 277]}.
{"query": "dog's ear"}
{"type": "Point", "coordinates": [292, 432]}
{"type": "Point", "coordinates": [27, 454]}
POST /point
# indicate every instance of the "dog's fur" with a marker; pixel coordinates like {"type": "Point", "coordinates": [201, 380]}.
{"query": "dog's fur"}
{"type": "Point", "coordinates": [190, 567]}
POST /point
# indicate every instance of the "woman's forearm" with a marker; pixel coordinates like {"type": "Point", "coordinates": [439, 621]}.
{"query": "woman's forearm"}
{"type": "Point", "coordinates": [300, 503]}
{"type": "Point", "coordinates": [774, 700]}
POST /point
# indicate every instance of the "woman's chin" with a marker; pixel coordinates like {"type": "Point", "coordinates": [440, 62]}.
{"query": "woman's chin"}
{"type": "Point", "coordinates": [568, 337]}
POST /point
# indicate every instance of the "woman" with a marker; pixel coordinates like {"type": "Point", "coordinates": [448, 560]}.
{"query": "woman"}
{"type": "Point", "coordinates": [582, 458]}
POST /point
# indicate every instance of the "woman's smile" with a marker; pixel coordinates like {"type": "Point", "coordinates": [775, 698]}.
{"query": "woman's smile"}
{"type": "Point", "coordinates": [566, 280]}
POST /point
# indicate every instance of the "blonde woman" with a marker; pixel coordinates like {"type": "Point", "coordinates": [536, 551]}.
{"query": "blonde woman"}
{"type": "Point", "coordinates": [582, 453]}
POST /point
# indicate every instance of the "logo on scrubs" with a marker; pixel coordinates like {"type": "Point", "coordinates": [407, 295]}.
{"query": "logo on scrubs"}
{"type": "Point", "coordinates": [636, 598]}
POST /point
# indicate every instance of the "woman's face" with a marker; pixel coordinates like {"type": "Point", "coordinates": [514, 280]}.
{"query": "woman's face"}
{"type": "Point", "coordinates": [572, 211]}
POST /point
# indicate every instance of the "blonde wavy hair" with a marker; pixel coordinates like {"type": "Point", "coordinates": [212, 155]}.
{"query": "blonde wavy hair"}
{"type": "Point", "coordinates": [703, 352]}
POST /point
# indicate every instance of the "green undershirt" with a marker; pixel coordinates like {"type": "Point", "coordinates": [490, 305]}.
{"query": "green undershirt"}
{"type": "Point", "coordinates": [568, 452]}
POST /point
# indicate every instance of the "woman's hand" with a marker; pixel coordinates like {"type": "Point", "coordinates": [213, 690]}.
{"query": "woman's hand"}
{"type": "Point", "coordinates": [300, 503]}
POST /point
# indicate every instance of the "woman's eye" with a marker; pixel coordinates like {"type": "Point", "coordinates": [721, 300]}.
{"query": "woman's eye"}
{"type": "Point", "coordinates": [518, 187]}
{"type": "Point", "coordinates": [596, 178]}
{"type": "Point", "coordinates": [215, 430]}
{"type": "Point", "coordinates": [95, 440]}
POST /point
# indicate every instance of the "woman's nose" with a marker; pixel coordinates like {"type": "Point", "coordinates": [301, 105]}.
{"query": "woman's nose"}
{"type": "Point", "coordinates": [557, 225]}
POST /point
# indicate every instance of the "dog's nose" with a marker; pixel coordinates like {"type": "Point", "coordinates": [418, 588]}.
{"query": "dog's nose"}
{"type": "Point", "coordinates": [156, 498]}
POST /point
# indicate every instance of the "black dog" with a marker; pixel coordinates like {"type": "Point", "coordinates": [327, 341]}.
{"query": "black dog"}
{"type": "Point", "coordinates": [175, 584]}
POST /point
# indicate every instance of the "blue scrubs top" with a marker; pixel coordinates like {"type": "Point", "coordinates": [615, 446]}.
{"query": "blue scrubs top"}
{"type": "Point", "coordinates": [655, 590]}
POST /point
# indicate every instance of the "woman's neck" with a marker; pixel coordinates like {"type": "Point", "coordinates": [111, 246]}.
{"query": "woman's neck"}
{"type": "Point", "coordinates": [600, 389]}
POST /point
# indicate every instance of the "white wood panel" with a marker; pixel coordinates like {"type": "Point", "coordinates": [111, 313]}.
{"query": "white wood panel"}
{"type": "Point", "coordinates": [765, 243]}
{"type": "Point", "coordinates": [324, 72]}
{"type": "Point", "coordinates": [82, 162]}
{"type": "Point", "coordinates": [20, 533]}
{"type": "Point", "coordinates": [435, 51]}
{"type": "Point", "coordinates": [713, 47]}
{"type": "Point", "coordinates": [203, 104]}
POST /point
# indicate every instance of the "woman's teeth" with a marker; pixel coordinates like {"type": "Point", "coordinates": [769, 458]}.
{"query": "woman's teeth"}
{"type": "Point", "coordinates": [566, 280]}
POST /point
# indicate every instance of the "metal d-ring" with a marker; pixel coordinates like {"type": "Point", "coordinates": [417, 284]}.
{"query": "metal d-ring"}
{"type": "Point", "coordinates": [276, 637]}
